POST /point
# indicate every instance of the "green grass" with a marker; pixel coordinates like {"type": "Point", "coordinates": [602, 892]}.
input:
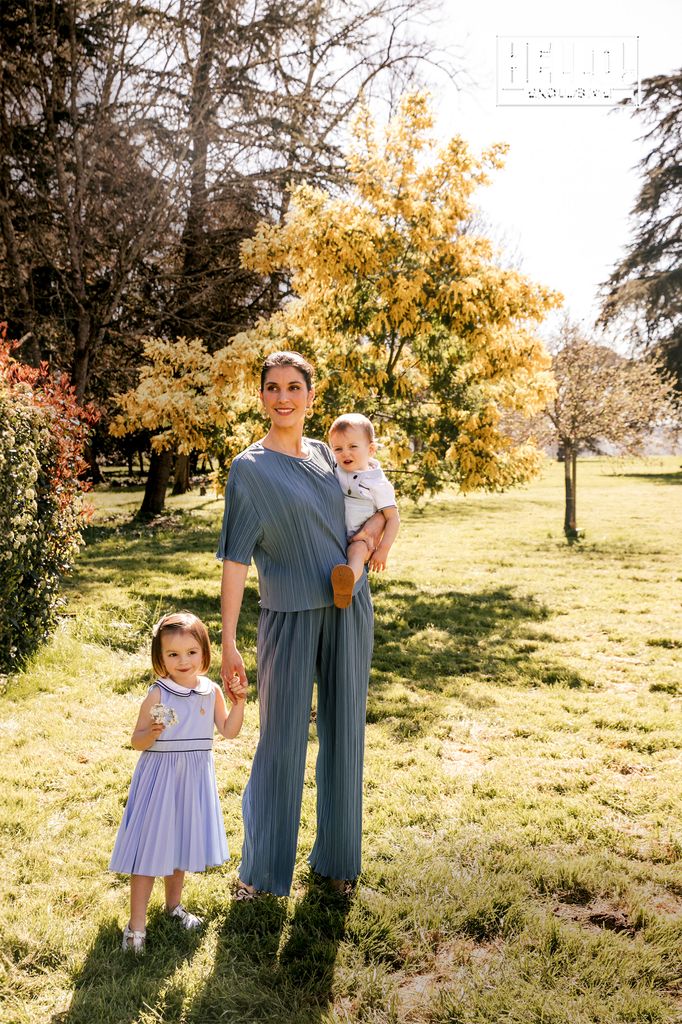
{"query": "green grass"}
{"type": "Point", "coordinates": [523, 830]}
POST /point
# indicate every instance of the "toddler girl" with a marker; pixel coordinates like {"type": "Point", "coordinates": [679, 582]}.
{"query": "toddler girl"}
{"type": "Point", "coordinates": [172, 822]}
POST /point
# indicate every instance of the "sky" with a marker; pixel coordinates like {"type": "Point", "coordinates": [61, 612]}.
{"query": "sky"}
{"type": "Point", "coordinates": [562, 202]}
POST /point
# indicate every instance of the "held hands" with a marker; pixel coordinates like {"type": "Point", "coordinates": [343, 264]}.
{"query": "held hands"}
{"type": "Point", "coordinates": [238, 690]}
{"type": "Point", "coordinates": [233, 673]}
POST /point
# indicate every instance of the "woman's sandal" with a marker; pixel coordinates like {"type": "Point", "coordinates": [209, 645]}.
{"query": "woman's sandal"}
{"type": "Point", "coordinates": [342, 886]}
{"type": "Point", "coordinates": [244, 893]}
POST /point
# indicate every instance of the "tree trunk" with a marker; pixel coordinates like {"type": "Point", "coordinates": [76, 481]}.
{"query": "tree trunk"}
{"type": "Point", "coordinates": [194, 230]}
{"type": "Point", "coordinates": [81, 355]}
{"type": "Point", "coordinates": [94, 473]}
{"type": "Point", "coordinates": [157, 481]}
{"type": "Point", "coordinates": [181, 482]}
{"type": "Point", "coordinates": [570, 468]}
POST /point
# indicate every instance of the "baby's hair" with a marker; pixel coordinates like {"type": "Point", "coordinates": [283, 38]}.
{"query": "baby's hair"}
{"type": "Point", "coordinates": [351, 420]}
{"type": "Point", "coordinates": [180, 622]}
{"type": "Point", "coordinates": [294, 359]}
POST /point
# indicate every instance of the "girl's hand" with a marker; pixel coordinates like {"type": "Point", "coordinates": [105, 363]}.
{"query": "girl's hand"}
{"type": "Point", "coordinates": [146, 729]}
{"type": "Point", "coordinates": [238, 689]}
{"type": "Point", "coordinates": [229, 723]}
{"type": "Point", "coordinates": [233, 673]}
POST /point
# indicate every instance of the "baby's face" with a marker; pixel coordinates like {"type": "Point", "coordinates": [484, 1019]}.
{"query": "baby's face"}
{"type": "Point", "coordinates": [352, 450]}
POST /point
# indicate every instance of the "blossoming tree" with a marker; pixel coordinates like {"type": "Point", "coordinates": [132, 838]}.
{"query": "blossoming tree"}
{"type": "Point", "coordinates": [406, 312]}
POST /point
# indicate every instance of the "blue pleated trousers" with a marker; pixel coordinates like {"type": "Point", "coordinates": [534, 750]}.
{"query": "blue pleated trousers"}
{"type": "Point", "coordinates": [334, 647]}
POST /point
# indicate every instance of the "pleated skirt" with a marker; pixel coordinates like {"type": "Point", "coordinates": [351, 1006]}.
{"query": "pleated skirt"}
{"type": "Point", "coordinates": [172, 820]}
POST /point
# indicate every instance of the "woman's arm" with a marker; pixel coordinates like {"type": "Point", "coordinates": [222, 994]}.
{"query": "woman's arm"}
{"type": "Point", "coordinates": [146, 730]}
{"type": "Point", "coordinates": [231, 594]}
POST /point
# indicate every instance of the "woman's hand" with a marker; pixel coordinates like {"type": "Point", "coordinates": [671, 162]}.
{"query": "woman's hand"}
{"type": "Point", "coordinates": [233, 673]}
{"type": "Point", "coordinates": [372, 531]}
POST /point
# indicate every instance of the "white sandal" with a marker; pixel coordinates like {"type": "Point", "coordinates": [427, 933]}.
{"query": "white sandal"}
{"type": "Point", "coordinates": [187, 920]}
{"type": "Point", "coordinates": [133, 940]}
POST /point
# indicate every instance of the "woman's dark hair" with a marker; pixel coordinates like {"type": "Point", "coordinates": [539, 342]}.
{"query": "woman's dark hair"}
{"type": "Point", "coordinates": [294, 359]}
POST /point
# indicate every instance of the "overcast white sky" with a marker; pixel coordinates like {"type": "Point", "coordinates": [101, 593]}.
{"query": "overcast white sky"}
{"type": "Point", "coordinates": [563, 199]}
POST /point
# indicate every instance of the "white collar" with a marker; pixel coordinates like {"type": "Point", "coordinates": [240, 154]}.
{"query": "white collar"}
{"type": "Point", "coordinates": [373, 471]}
{"type": "Point", "coordinates": [203, 687]}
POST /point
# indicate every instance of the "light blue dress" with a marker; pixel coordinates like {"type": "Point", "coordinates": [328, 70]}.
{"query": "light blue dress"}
{"type": "Point", "coordinates": [173, 820]}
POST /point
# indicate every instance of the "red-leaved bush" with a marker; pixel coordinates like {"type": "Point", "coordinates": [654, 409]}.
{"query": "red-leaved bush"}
{"type": "Point", "coordinates": [43, 430]}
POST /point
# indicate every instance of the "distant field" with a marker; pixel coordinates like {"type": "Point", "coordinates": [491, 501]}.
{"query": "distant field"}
{"type": "Point", "coordinates": [523, 850]}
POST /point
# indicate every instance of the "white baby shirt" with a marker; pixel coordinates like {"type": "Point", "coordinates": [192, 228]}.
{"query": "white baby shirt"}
{"type": "Point", "coordinates": [364, 492]}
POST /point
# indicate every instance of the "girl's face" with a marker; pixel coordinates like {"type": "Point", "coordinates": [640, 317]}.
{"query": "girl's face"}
{"type": "Point", "coordinates": [182, 657]}
{"type": "Point", "coordinates": [285, 396]}
{"type": "Point", "coordinates": [352, 449]}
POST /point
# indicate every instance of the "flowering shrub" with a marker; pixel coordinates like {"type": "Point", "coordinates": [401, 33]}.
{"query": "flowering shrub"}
{"type": "Point", "coordinates": [42, 432]}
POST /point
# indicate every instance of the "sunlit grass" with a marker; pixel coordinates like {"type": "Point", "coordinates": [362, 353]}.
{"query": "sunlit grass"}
{"type": "Point", "coordinates": [523, 831]}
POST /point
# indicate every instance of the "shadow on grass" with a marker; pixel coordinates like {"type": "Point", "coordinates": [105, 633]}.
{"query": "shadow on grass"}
{"type": "Point", "coordinates": [136, 560]}
{"type": "Point", "coordinates": [429, 640]}
{"type": "Point", "coordinates": [113, 987]}
{"type": "Point", "coordinates": [434, 642]}
{"type": "Point", "coordinates": [656, 478]}
{"type": "Point", "coordinates": [254, 980]}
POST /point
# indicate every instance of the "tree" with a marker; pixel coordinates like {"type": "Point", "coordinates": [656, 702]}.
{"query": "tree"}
{"type": "Point", "coordinates": [603, 400]}
{"type": "Point", "coordinates": [191, 401]}
{"type": "Point", "coordinates": [646, 286]}
{"type": "Point", "coordinates": [85, 186]}
{"type": "Point", "coordinates": [404, 311]}
{"type": "Point", "coordinates": [268, 90]}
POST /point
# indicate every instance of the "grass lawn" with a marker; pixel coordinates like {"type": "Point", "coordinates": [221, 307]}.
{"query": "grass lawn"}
{"type": "Point", "coordinates": [523, 828]}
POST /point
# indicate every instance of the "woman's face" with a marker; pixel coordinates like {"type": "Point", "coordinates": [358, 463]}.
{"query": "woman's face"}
{"type": "Point", "coordinates": [285, 396]}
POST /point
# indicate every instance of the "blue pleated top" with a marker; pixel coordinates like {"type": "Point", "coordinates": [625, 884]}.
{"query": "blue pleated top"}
{"type": "Point", "coordinates": [287, 514]}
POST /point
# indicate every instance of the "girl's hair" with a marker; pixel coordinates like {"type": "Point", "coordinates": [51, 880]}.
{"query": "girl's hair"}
{"type": "Point", "coordinates": [294, 359]}
{"type": "Point", "coordinates": [353, 419]}
{"type": "Point", "coordinates": [180, 622]}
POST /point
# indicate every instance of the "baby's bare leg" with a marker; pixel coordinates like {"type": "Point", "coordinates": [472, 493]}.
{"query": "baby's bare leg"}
{"type": "Point", "coordinates": [357, 554]}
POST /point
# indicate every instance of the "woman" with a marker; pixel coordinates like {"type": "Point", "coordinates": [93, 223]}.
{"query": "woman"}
{"type": "Point", "coordinates": [284, 507]}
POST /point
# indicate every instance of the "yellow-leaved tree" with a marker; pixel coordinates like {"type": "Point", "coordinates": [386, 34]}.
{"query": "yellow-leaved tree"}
{"type": "Point", "coordinates": [406, 313]}
{"type": "Point", "coordinates": [402, 308]}
{"type": "Point", "coordinates": [192, 401]}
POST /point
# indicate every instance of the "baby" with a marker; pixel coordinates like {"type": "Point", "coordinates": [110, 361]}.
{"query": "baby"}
{"type": "Point", "coordinates": [366, 491]}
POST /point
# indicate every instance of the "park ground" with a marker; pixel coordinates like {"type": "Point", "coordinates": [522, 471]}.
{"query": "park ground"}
{"type": "Point", "coordinates": [523, 822]}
